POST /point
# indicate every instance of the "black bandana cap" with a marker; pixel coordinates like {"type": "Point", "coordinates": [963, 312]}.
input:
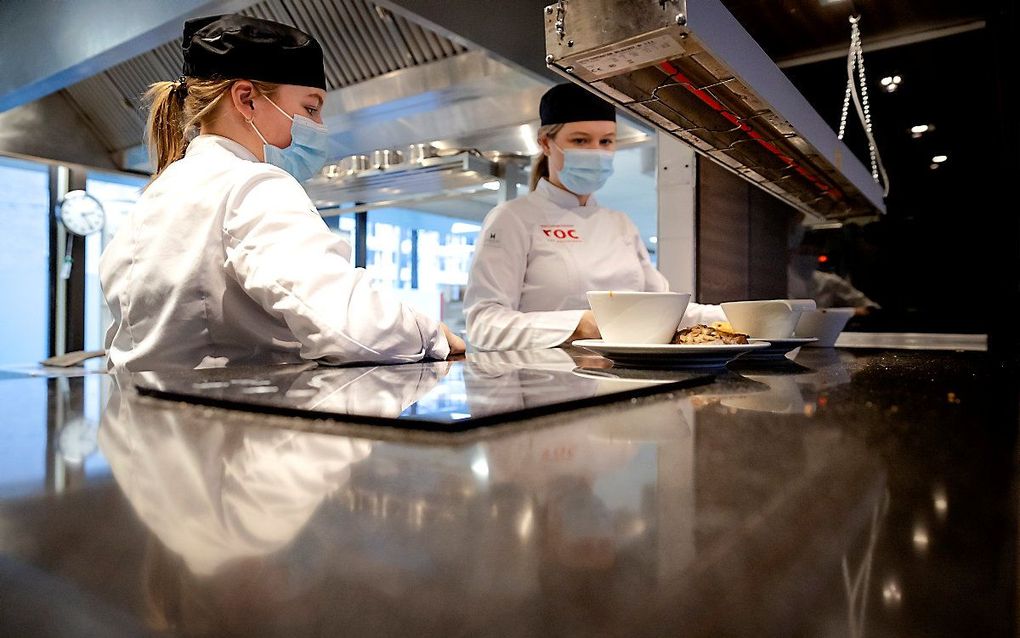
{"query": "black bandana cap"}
{"type": "Point", "coordinates": [566, 103]}
{"type": "Point", "coordinates": [238, 47]}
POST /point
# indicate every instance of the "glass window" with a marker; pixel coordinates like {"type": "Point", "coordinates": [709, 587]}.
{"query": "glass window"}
{"type": "Point", "coordinates": [425, 257]}
{"type": "Point", "coordinates": [24, 261]}
{"type": "Point", "coordinates": [117, 194]}
{"type": "Point", "coordinates": [344, 226]}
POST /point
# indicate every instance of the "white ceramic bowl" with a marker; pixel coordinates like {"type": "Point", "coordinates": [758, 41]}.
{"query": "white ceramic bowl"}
{"type": "Point", "coordinates": [638, 317]}
{"type": "Point", "coordinates": [824, 324]}
{"type": "Point", "coordinates": [766, 319]}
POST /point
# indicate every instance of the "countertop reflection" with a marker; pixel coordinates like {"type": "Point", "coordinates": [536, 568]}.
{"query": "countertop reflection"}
{"type": "Point", "coordinates": [836, 494]}
{"type": "Point", "coordinates": [487, 388]}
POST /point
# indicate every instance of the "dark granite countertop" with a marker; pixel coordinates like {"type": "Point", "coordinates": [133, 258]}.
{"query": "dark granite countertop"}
{"type": "Point", "coordinates": [846, 493]}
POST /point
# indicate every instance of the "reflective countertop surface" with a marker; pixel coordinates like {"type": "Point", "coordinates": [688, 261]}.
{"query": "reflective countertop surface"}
{"type": "Point", "coordinates": [843, 493]}
{"type": "Point", "coordinates": [487, 388]}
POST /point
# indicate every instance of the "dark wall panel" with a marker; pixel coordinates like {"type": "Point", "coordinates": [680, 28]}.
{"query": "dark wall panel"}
{"type": "Point", "coordinates": [742, 238]}
{"type": "Point", "coordinates": [722, 235]}
{"type": "Point", "coordinates": [770, 227]}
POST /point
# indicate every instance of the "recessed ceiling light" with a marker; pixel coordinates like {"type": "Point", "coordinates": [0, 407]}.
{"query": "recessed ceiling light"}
{"type": "Point", "coordinates": [938, 159]}
{"type": "Point", "coordinates": [890, 83]}
{"type": "Point", "coordinates": [921, 128]}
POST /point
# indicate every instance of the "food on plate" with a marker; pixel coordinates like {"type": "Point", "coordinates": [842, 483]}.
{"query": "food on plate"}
{"type": "Point", "coordinates": [708, 334]}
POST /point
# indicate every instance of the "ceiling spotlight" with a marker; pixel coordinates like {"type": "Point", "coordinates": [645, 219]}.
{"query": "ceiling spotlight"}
{"type": "Point", "coordinates": [921, 129]}
{"type": "Point", "coordinates": [890, 83]}
{"type": "Point", "coordinates": [941, 502]}
{"type": "Point", "coordinates": [921, 538]}
{"type": "Point", "coordinates": [892, 595]}
{"type": "Point", "coordinates": [938, 159]}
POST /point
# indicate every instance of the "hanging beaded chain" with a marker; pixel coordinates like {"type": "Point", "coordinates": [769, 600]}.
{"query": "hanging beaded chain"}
{"type": "Point", "coordinates": [861, 102]}
{"type": "Point", "coordinates": [855, 43]}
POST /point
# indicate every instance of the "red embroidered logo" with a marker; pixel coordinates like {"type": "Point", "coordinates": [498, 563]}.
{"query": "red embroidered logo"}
{"type": "Point", "coordinates": [561, 232]}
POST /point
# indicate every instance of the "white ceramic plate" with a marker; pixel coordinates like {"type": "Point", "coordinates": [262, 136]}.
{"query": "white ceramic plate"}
{"type": "Point", "coordinates": [647, 355]}
{"type": "Point", "coordinates": [777, 348]}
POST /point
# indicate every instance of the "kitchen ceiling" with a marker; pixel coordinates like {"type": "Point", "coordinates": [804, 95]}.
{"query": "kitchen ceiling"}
{"type": "Point", "coordinates": [790, 30]}
{"type": "Point", "coordinates": [360, 41]}
{"type": "Point", "coordinates": [938, 48]}
{"type": "Point", "coordinates": [807, 38]}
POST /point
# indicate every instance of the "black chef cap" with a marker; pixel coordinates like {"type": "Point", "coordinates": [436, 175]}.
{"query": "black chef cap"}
{"type": "Point", "coordinates": [236, 46]}
{"type": "Point", "coordinates": [565, 103]}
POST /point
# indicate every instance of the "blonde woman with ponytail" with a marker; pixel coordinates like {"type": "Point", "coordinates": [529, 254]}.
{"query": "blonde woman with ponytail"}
{"type": "Point", "coordinates": [538, 255]}
{"type": "Point", "coordinates": [225, 260]}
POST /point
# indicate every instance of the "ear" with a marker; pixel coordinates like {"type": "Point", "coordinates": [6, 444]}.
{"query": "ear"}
{"type": "Point", "coordinates": [543, 142]}
{"type": "Point", "coordinates": [242, 95]}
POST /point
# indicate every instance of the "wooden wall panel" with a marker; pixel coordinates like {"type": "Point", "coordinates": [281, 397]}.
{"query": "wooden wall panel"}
{"type": "Point", "coordinates": [722, 234]}
{"type": "Point", "coordinates": [742, 238]}
{"type": "Point", "coordinates": [770, 227]}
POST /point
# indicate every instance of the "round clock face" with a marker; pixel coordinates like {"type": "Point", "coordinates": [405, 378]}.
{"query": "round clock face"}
{"type": "Point", "coordinates": [81, 213]}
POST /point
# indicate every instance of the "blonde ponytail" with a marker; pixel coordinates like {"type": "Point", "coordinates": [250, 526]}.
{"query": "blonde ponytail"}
{"type": "Point", "coordinates": [178, 108]}
{"type": "Point", "coordinates": [164, 127]}
{"type": "Point", "coordinates": [540, 168]}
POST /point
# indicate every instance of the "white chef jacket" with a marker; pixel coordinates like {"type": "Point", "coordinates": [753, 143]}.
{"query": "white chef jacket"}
{"type": "Point", "coordinates": [225, 261]}
{"type": "Point", "coordinates": [829, 290]}
{"type": "Point", "coordinates": [536, 257]}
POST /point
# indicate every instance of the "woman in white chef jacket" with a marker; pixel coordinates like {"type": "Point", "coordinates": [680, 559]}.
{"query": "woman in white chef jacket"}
{"type": "Point", "coordinates": [225, 260]}
{"type": "Point", "coordinates": [538, 255]}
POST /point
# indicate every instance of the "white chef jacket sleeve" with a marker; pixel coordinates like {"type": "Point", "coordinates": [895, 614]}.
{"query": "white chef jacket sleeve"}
{"type": "Point", "coordinates": [287, 260]}
{"type": "Point", "coordinates": [702, 313]}
{"type": "Point", "coordinates": [841, 292]}
{"type": "Point", "coordinates": [493, 293]}
{"type": "Point", "coordinates": [655, 281]}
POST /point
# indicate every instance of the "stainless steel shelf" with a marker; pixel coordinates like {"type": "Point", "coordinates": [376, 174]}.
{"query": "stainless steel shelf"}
{"type": "Point", "coordinates": [913, 341]}
{"type": "Point", "coordinates": [428, 179]}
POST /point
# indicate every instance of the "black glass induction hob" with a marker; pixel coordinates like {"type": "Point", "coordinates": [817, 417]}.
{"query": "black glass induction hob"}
{"type": "Point", "coordinates": [452, 396]}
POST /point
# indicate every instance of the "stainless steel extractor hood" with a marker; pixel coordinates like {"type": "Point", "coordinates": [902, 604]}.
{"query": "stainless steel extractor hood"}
{"type": "Point", "coordinates": [688, 67]}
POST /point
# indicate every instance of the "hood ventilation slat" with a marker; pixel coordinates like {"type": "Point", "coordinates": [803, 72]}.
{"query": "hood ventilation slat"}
{"type": "Point", "coordinates": [360, 41]}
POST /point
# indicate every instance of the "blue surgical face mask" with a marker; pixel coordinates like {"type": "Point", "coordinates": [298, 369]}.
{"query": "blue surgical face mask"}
{"type": "Point", "coordinates": [308, 150]}
{"type": "Point", "coordinates": [585, 170]}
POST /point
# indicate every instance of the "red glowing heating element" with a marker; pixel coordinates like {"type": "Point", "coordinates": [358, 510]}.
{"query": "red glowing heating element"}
{"type": "Point", "coordinates": [705, 97]}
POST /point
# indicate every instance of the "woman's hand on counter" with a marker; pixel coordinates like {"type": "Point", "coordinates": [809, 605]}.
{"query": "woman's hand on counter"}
{"type": "Point", "coordinates": [457, 345]}
{"type": "Point", "coordinates": [586, 328]}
